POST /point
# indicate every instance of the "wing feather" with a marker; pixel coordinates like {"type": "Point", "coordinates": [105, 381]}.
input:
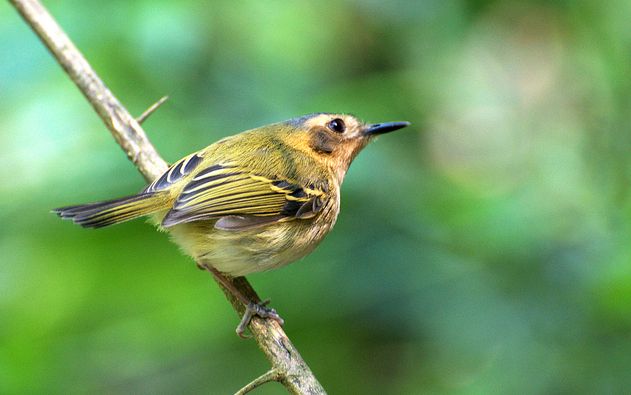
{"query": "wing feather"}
{"type": "Point", "coordinates": [244, 199]}
{"type": "Point", "coordinates": [175, 173]}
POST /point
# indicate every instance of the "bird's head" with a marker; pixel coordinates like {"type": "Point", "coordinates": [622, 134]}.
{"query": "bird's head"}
{"type": "Point", "coordinates": [335, 139]}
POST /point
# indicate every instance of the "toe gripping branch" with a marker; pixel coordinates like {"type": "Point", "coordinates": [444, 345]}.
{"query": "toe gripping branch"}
{"type": "Point", "coordinates": [257, 309]}
{"type": "Point", "coordinates": [252, 308]}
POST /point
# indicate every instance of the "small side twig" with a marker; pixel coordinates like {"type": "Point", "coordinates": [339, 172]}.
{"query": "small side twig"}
{"type": "Point", "coordinates": [143, 117]}
{"type": "Point", "coordinates": [292, 370]}
{"type": "Point", "coordinates": [270, 375]}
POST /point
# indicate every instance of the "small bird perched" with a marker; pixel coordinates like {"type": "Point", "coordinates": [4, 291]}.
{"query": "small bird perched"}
{"type": "Point", "coordinates": [251, 202]}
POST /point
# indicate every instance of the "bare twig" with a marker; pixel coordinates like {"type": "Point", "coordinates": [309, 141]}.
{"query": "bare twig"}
{"type": "Point", "coordinates": [291, 369]}
{"type": "Point", "coordinates": [270, 375]}
{"type": "Point", "coordinates": [143, 117]}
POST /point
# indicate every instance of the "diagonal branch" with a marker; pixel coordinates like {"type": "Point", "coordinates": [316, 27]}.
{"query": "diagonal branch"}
{"type": "Point", "coordinates": [288, 365]}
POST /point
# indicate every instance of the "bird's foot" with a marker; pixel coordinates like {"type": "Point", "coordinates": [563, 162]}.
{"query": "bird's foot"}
{"type": "Point", "coordinates": [252, 309]}
{"type": "Point", "coordinates": [257, 309]}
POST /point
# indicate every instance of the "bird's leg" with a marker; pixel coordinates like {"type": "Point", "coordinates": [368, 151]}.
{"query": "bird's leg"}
{"type": "Point", "coordinates": [251, 308]}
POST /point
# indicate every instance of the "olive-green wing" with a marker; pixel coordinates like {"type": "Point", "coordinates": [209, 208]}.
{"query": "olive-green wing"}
{"type": "Point", "coordinates": [241, 199]}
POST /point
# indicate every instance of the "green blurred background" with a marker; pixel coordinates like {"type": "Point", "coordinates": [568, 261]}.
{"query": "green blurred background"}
{"type": "Point", "coordinates": [486, 249]}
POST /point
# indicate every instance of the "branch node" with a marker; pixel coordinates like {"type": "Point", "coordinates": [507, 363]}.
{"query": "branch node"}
{"type": "Point", "coordinates": [143, 117]}
{"type": "Point", "coordinates": [271, 375]}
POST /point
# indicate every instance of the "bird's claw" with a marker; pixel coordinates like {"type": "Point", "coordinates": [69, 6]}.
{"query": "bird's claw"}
{"type": "Point", "coordinates": [257, 309]}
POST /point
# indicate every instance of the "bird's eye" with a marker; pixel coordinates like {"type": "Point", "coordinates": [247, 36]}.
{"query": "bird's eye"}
{"type": "Point", "coordinates": [337, 125]}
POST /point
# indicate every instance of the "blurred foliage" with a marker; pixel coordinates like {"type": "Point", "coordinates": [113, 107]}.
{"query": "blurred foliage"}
{"type": "Point", "coordinates": [487, 249]}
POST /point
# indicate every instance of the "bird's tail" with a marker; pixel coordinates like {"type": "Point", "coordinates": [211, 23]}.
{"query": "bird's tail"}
{"type": "Point", "coordinates": [97, 215]}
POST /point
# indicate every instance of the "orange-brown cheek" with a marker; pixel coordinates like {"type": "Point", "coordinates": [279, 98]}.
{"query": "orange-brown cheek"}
{"type": "Point", "coordinates": [322, 142]}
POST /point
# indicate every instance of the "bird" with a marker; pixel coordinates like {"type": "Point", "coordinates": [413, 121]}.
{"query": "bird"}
{"type": "Point", "coordinates": [251, 202]}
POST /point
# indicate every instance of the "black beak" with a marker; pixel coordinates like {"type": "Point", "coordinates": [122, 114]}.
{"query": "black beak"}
{"type": "Point", "coordinates": [381, 128]}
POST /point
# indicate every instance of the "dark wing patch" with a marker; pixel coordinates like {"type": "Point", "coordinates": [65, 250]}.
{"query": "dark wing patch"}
{"type": "Point", "coordinates": [282, 184]}
{"type": "Point", "coordinates": [175, 173]}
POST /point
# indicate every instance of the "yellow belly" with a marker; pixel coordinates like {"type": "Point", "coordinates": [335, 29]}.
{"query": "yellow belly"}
{"type": "Point", "coordinates": [238, 253]}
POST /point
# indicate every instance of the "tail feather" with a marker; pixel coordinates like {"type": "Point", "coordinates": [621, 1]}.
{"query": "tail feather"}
{"type": "Point", "coordinates": [100, 214]}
